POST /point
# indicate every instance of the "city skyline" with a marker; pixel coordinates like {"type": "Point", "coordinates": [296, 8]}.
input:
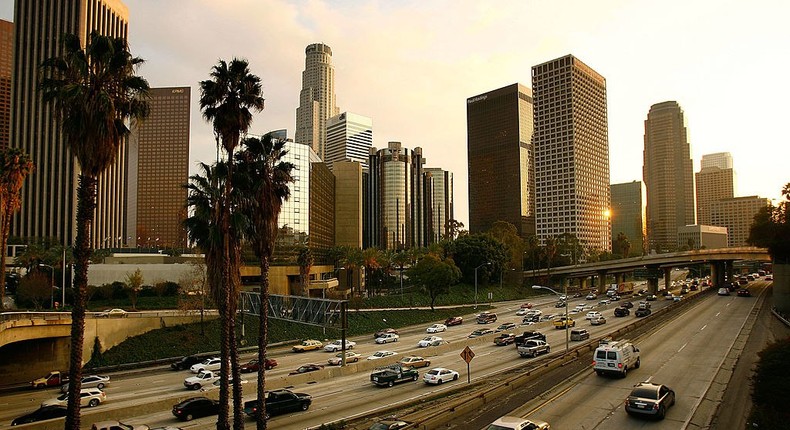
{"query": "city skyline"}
{"type": "Point", "coordinates": [418, 63]}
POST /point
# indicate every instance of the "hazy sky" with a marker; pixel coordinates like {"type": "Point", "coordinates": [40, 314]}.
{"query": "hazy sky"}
{"type": "Point", "coordinates": [411, 65]}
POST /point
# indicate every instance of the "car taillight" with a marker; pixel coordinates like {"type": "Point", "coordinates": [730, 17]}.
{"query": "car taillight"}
{"type": "Point", "coordinates": [655, 406]}
{"type": "Point", "coordinates": [593, 363]}
{"type": "Point", "coordinates": [620, 365]}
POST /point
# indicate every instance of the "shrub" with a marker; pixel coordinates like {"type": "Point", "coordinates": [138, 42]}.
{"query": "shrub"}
{"type": "Point", "coordinates": [770, 381]}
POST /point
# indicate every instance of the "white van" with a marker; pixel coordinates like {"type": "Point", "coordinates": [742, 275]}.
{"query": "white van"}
{"type": "Point", "coordinates": [616, 358]}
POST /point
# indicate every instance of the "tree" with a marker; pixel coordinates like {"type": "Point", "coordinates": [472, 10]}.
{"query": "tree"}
{"type": "Point", "coordinates": [455, 229]}
{"type": "Point", "coordinates": [305, 261]}
{"type": "Point", "coordinates": [434, 276]}
{"type": "Point", "coordinates": [133, 286]}
{"type": "Point", "coordinates": [264, 179]}
{"type": "Point", "coordinates": [771, 229]}
{"type": "Point", "coordinates": [372, 260]}
{"type": "Point", "coordinates": [94, 93]}
{"type": "Point", "coordinates": [15, 166]}
{"type": "Point", "coordinates": [35, 288]}
{"type": "Point", "coordinates": [622, 245]}
{"type": "Point", "coordinates": [507, 233]}
{"type": "Point", "coordinates": [473, 250]}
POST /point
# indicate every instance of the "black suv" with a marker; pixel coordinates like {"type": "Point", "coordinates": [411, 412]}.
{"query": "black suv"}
{"type": "Point", "coordinates": [195, 407]}
{"type": "Point", "coordinates": [621, 312]}
{"type": "Point", "coordinates": [529, 335]}
{"type": "Point", "coordinates": [279, 402]}
{"type": "Point", "coordinates": [185, 362]}
{"type": "Point", "coordinates": [40, 414]}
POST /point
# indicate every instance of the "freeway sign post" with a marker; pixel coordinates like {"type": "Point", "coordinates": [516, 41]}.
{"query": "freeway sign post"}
{"type": "Point", "coordinates": [468, 355]}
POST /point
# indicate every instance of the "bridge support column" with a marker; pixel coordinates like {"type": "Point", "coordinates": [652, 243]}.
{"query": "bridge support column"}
{"type": "Point", "coordinates": [717, 271]}
{"type": "Point", "coordinates": [602, 281]}
{"type": "Point", "coordinates": [667, 277]}
{"type": "Point", "coordinates": [652, 285]}
{"type": "Point", "coordinates": [730, 267]}
{"type": "Point", "coordinates": [582, 283]}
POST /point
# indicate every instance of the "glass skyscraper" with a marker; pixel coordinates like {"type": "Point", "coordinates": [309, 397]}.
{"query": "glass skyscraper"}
{"type": "Point", "coordinates": [348, 138]}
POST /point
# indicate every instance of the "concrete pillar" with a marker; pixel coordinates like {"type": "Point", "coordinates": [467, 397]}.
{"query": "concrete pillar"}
{"type": "Point", "coordinates": [652, 285]}
{"type": "Point", "coordinates": [730, 268]}
{"type": "Point", "coordinates": [667, 277]}
{"type": "Point", "coordinates": [781, 293]}
{"type": "Point", "coordinates": [602, 281]}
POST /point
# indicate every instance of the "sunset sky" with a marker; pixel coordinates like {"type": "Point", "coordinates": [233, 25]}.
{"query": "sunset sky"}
{"type": "Point", "coordinates": [410, 65]}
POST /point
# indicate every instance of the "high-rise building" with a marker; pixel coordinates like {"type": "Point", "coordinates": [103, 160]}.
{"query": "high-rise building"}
{"type": "Point", "coordinates": [317, 99]}
{"type": "Point", "coordinates": [722, 160]}
{"type": "Point", "coordinates": [6, 65]}
{"type": "Point", "coordinates": [438, 203]}
{"type": "Point", "coordinates": [49, 202]}
{"type": "Point", "coordinates": [500, 153]}
{"type": "Point", "coordinates": [348, 203]}
{"type": "Point", "coordinates": [628, 214]}
{"type": "Point", "coordinates": [668, 176]}
{"type": "Point", "coordinates": [701, 236]}
{"type": "Point", "coordinates": [713, 183]}
{"type": "Point", "coordinates": [348, 138]}
{"type": "Point", "coordinates": [737, 214]}
{"type": "Point", "coordinates": [571, 152]}
{"type": "Point", "coordinates": [158, 170]}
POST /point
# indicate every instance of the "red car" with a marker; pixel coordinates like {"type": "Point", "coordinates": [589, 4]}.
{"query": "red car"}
{"type": "Point", "coordinates": [253, 366]}
{"type": "Point", "coordinates": [526, 306]}
{"type": "Point", "coordinates": [382, 332]}
{"type": "Point", "coordinates": [453, 321]}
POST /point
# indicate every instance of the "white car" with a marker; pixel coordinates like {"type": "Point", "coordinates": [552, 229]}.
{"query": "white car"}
{"type": "Point", "coordinates": [517, 423]}
{"type": "Point", "coordinates": [337, 360]}
{"type": "Point", "coordinates": [387, 338]}
{"type": "Point", "coordinates": [208, 364]}
{"type": "Point", "coordinates": [382, 354]}
{"type": "Point", "coordinates": [430, 341]}
{"type": "Point", "coordinates": [337, 345]}
{"type": "Point", "coordinates": [592, 314]}
{"type": "Point", "coordinates": [533, 313]}
{"type": "Point", "coordinates": [521, 312]}
{"type": "Point", "coordinates": [439, 375]}
{"type": "Point", "coordinates": [89, 397]}
{"type": "Point", "coordinates": [436, 328]}
{"type": "Point", "coordinates": [604, 302]}
{"type": "Point", "coordinates": [90, 381]}
{"type": "Point", "coordinates": [112, 313]}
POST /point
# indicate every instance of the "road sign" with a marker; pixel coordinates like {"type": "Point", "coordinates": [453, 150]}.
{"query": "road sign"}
{"type": "Point", "coordinates": [467, 355]}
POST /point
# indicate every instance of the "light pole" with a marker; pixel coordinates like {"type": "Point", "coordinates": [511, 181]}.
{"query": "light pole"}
{"type": "Point", "coordinates": [51, 284]}
{"type": "Point", "coordinates": [539, 287]}
{"type": "Point", "coordinates": [484, 264]}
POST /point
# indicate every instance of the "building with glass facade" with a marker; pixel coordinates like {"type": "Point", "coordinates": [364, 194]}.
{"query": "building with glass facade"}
{"type": "Point", "coordinates": [722, 160]}
{"type": "Point", "coordinates": [348, 138]}
{"type": "Point", "coordinates": [628, 214]}
{"type": "Point", "coordinates": [737, 215]}
{"type": "Point", "coordinates": [571, 152]}
{"type": "Point", "coordinates": [317, 101]}
{"type": "Point", "coordinates": [501, 166]}
{"type": "Point", "coordinates": [668, 176]}
{"type": "Point", "coordinates": [438, 203]}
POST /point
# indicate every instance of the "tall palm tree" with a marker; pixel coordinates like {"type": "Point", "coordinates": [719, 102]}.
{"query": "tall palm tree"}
{"type": "Point", "coordinates": [263, 181]}
{"type": "Point", "coordinates": [15, 166]}
{"type": "Point", "coordinates": [305, 261]}
{"type": "Point", "coordinates": [227, 101]}
{"type": "Point", "coordinates": [94, 93]}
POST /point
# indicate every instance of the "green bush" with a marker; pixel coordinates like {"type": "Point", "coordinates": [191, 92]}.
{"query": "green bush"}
{"type": "Point", "coordinates": [770, 382]}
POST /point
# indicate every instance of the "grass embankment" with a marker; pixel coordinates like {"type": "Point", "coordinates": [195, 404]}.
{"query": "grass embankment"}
{"type": "Point", "coordinates": [770, 394]}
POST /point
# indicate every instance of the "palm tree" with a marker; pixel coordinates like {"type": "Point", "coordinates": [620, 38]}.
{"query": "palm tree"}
{"type": "Point", "coordinates": [305, 261]}
{"type": "Point", "coordinates": [227, 101]}
{"type": "Point", "coordinates": [15, 166]}
{"type": "Point", "coordinates": [263, 181]}
{"type": "Point", "coordinates": [93, 92]}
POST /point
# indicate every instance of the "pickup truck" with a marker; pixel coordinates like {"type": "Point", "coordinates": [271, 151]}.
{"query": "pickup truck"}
{"type": "Point", "coordinates": [394, 374]}
{"type": "Point", "coordinates": [279, 402]}
{"type": "Point", "coordinates": [205, 377]}
{"type": "Point", "coordinates": [527, 335]}
{"type": "Point", "coordinates": [53, 379]}
{"type": "Point", "coordinates": [533, 348]}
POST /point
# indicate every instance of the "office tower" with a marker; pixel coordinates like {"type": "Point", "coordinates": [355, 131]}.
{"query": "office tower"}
{"type": "Point", "coordinates": [628, 214]}
{"type": "Point", "coordinates": [691, 237]}
{"type": "Point", "coordinates": [667, 172]}
{"type": "Point", "coordinates": [571, 152]}
{"type": "Point", "coordinates": [348, 137]}
{"type": "Point", "coordinates": [317, 98]}
{"type": "Point", "coordinates": [713, 183]}
{"type": "Point", "coordinates": [371, 202]}
{"type": "Point", "coordinates": [438, 203]}
{"type": "Point", "coordinates": [322, 209]}
{"type": "Point", "coordinates": [6, 65]}
{"type": "Point", "coordinates": [737, 214]}
{"type": "Point", "coordinates": [500, 152]}
{"type": "Point", "coordinates": [49, 201]}
{"type": "Point", "coordinates": [722, 160]}
{"type": "Point", "coordinates": [348, 203]}
{"type": "Point", "coordinates": [158, 170]}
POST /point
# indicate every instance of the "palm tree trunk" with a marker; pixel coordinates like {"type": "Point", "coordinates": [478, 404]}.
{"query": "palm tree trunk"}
{"type": "Point", "coordinates": [238, 406]}
{"type": "Point", "coordinates": [263, 333]}
{"type": "Point", "coordinates": [86, 203]}
{"type": "Point", "coordinates": [223, 416]}
{"type": "Point", "coordinates": [5, 225]}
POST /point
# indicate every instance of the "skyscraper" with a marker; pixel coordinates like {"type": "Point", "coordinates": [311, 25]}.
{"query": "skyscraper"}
{"type": "Point", "coordinates": [6, 65]}
{"type": "Point", "coordinates": [348, 203]}
{"type": "Point", "coordinates": [500, 153]}
{"type": "Point", "coordinates": [628, 214]}
{"type": "Point", "coordinates": [438, 203]}
{"type": "Point", "coordinates": [722, 160]}
{"type": "Point", "coordinates": [571, 152]}
{"type": "Point", "coordinates": [49, 195]}
{"type": "Point", "coordinates": [158, 169]}
{"type": "Point", "coordinates": [348, 138]}
{"type": "Point", "coordinates": [713, 184]}
{"type": "Point", "coordinates": [667, 172]}
{"type": "Point", "coordinates": [737, 214]}
{"type": "Point", "coordinates": [317, 98]}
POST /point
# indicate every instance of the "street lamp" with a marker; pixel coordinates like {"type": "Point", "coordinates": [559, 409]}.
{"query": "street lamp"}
{"type": "Point", "coordinates": [51, 284]}
{"type": "Point", "coordinates": [539, 287]}
{"type": "Point", "coordinates": [484, 264]}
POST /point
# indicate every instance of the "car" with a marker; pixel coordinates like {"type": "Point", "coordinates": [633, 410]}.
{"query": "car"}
{"type": "Point", "coordinates": [505, 326]}
{"type": "Point", "coordinates": [592, 314]}
{"type": "Point", "coordinates": [669, 297]}
{"type": "Point", "coordinates": [576, 295]}
{"type": "Point", "coordinates": [389, 425]}
{"type": "Point", "coordinates": [430, 341]}
{"type": "Point", "coordinates": [480, 332]}
{"type": "Point", "coordinates": [528, 335]}
{"type": "Point", "coordinates": [387, 338]}
{"type": "Point", "coordinates": [530, 319]}
{"type": "Point", "coordinates": [769, 277]}
{"type": "Point", "coordinates": [616, 298]}
{"type": "Point", "coordinates": [598, 320]}
{"type": "Point", "coordinates": [414, 361]}
{"type": "Point", "coordinates": [563, 298]}
{"type": "Point", "coordinates": [384, 331]}
{"type": "Point", "coordinates": [676, 298]}
{"type": "Point", "coordinates": [517, 423]}
{"type": "Point", "coordinates": [436, 328]}
{"type": "Point", "coordinates": [521, 312]}
{"type": "Point", "coordinates": [306, 368]}
{"type": "Point", "coordinates": [117, 425]}
{"type": "Point", "coordinates": [560, 305]}
{"type": "Point", "coordinates": [89, 397]}
{"type": "Point", "coordinates": [453, 321]}
{"type": "Point", "coordinates": [627, 305]}
{"type": "Point", "coordinates": [213, 363]}
{"type": "Point", "coordinates": [381, 354]}
{"type": "Point", "coordinates": [580, 334]}
{"type": "Point", "coordinates": [41, 414]}
{"type": "Point", "coordinates": [649, 399]}
{"type": "Point", "coordinates": [486, 317]}
{"type": "Point", "coordinates": [644, 305]}
{"type": "Point", "coordinates": [505, 339]}
{"type": "Point", "coordinates": [621, 312]}
{"type": "Point", "coordinates": [186, 362]}
{"type": "Point", "coordinates": [116, 313]}
{"type": "Point", "coordinates": [308, 345]}
{"type": "Point", "coordinates": [526, 306]}
{"type": "Point", "coordinates": [533, 313]}
{"type": "Point", "coordinates": [218, 383]}
{"type": "Point", "coordinates": [562, 322]}
{"type": "Point", "coordinates": [684, 291]}
{"type": "Point", "coordinates": [591, 296]}
{"type": "Point", "coordinates": [195, 407]}
{"type": "Point", "coordinates": [253, 365]}
{"type": "Point", "coordinates": [604, 302]}
{"type": "Point", "coordinates": [723, 292]}
{"type": "Point", "coordinates": [615, 357]}
{"type": "Point", "coordinates": [642, 312]}
{"type": "Point", "coordinates": [651, 297]}
{"type": "Point", "coordinates": [439, 375]}
{"type": "Point", "coordinates": [337, 360]}
{"type": "Point", "coordinates": [750, 277]}
{"type": "Point", "coordinates": [279, 402]}
{"type": "Point", "coordinates": [743, 292]}
{"type": "Point", "coordinates": [90, 381]}
{"type": "Point", "coordinates": [337, 345]}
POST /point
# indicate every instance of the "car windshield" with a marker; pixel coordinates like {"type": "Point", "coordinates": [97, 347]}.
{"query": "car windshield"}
{"type": "Point", "coordinates": [645, 393]}
{"type": "Point", "coordinates": [63, 397]}
{"type": "Point", "coordinates": [496, 427]}
{"type": "Point", "coordinates": [433, 372]}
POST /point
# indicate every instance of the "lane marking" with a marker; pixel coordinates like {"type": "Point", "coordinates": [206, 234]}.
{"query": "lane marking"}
{"type": "Point", "coordinates": [718, 313]}
{"type": "Point", "coordinates": [684, 345]}
{"type": "Point", "coordinates": [703, 327]}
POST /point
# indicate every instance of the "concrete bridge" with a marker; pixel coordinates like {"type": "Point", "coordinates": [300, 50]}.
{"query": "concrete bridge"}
{"type": "Point", "coordinates": [33, 343]}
